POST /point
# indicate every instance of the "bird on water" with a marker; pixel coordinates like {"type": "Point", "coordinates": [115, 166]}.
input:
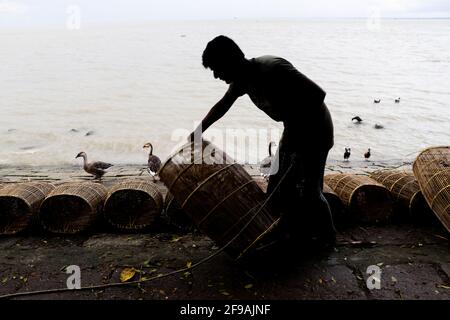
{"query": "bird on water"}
{"type": "Point", "coordinates": [153, 163]}
{"type": "Point", "coordinates": [357, 119]}
{"type": "Point", "coordinates": [397, 100]}
{"type": "Point", "coordinates": [376, 100]}
{"type": "Point", "coordinates": [97, 168]}
{"type": "Point", "coordinates": [378, 126]}
{"type": "Point", "coordinates": [347, 154]}
{"type": "Point", "coordinates": [367, 154]}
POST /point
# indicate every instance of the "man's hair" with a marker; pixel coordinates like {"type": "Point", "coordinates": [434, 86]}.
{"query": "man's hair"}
{"type": "Point", "coordinates": [221, 50]}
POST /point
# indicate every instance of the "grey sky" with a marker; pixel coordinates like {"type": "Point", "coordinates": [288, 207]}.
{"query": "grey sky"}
{"type": "Point", "coordinates": [41, 12]}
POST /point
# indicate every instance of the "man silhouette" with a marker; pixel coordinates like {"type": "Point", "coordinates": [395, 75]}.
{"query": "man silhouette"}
{"type": "Point", "coordinates": [276, 87]}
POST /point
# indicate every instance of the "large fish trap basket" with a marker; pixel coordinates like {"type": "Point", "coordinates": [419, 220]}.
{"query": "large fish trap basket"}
{"type": "Point", "coordinates": [405, 191]}
{"type": "Point", "coordinates": [432, 170]}
{"type": "Point", "coordinates": [176, 216]}
{"type": "Point", "coordinates": [220, 197]}
{"type": "Point", "coordinates": [334, 202]}
{"type": "Point", "coordinates": [133, 204]}
{"type": "Point", "coordinates": [19, 204]}
{"type": "Point", "coordinates": [368, 201]}
{"type": "Point", "coordinates": [73, 207]}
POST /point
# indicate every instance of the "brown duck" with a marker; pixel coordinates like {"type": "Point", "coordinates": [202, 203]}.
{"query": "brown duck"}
{"type": "Point", "coordinates": [97, 168]}
{"type": "Point", "coordinates": [154, 163]}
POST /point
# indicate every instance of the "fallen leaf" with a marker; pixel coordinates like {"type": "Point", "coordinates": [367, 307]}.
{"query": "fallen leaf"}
{"type": "Point", "coordinates": [333, 279]}
{"type": "Point", "coordinates": [189, 264]}
{"type": "Point", "coordinates": [127, 274]}
{"type": "Point", "coordinates": [248, 286]}
{"type": "Point", "coordinates": [380, 264]}
{"type": "Point", "coordinates": [393, 279]}
{"type": "Point", "coordinates": [225, 293]}
{"type": "Point", "coordinates": [443, 287]}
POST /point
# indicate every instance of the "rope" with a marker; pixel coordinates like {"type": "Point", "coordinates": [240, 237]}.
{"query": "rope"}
{"type": "Point", "coordinates": [119, 284]}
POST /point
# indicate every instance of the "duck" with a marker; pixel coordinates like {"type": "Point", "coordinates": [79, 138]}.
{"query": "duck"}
{"type": "Point", "coordinates": [367, 154]}
{"type": "Point", "coordinates": [154, 162]}
{"type": "Point", "coordinates": [347, 154]}
{"type": "Point", "coordinates": [358, 119]}
{"type": "Point", "coordinates": [376, 100]}
{"type": "Point", "coordinates": [378, 126]}
{"type": "Point", "coordinates": [265, 164]}
{"type": "Point", "coordinates": [97, 168]}
{"type": "Point", "coordinates": [397, 100]}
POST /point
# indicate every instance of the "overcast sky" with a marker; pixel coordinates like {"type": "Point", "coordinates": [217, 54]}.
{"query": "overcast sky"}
{"type": "Point", "coordinates": [43, 12]}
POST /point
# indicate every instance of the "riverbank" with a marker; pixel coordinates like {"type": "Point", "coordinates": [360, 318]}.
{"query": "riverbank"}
{"type": "Point", "coordinates": [414, 260]}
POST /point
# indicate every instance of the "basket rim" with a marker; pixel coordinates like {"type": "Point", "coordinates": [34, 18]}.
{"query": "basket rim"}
{"type": "Point", "coordinates": [29, 206]}
{"type": "Point", "coordinates": [110, 194]}
{"type": "Point", "coordinates": [427, 149]}
{"type": "Point", "coordinates": [65, 195]}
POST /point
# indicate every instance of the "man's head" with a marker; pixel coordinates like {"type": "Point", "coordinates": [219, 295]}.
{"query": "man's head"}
{"type": "Point", "coordinates": [223, 56]}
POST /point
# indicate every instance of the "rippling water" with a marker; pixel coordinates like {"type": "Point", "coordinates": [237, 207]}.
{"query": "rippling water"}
{"type": "Point", "coordinates": [132, 84]}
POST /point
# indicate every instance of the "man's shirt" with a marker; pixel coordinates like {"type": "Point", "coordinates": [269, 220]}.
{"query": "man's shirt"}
{"type": "Point", "coordinates": [276, 87]}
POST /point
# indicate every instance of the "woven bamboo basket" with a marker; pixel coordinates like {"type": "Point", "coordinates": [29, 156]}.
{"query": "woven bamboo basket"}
{"type": "Point", "coordinates": [405, 191]}
{"type": "Point", "coordinates": [72, 207]}
{"type": "Point", "coordinates": [19, 204]}
{"type": "Point", "coordinates": [261, 182]}
{"type": "Point", "coordinates": [432, 170]}
{"type": "Point", "coordinates": [133, 204]}
{"type": "Point", "coordinates": [219, 196]}
{"type": "Point", "coordinates": [176, 216]}
{"type": "Point", "coordinates": [334, 202]}
{"type": "Point", "coordinates": [368, 201]}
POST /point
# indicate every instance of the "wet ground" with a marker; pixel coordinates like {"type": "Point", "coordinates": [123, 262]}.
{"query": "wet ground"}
{"type": "Point", "coordinates": [414, 261]}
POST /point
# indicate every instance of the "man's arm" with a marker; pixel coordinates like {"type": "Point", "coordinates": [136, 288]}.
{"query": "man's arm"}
{"type": "Point", "coordinates": [216, 112]}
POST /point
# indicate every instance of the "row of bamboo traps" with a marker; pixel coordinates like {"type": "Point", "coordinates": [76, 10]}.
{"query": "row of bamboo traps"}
{"type": "Point", "coordinates": [74, 207]}
{"type": "Point", "coordinates": [418, 196]}
{"type": "Point", "coordinates": [136, 204]}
